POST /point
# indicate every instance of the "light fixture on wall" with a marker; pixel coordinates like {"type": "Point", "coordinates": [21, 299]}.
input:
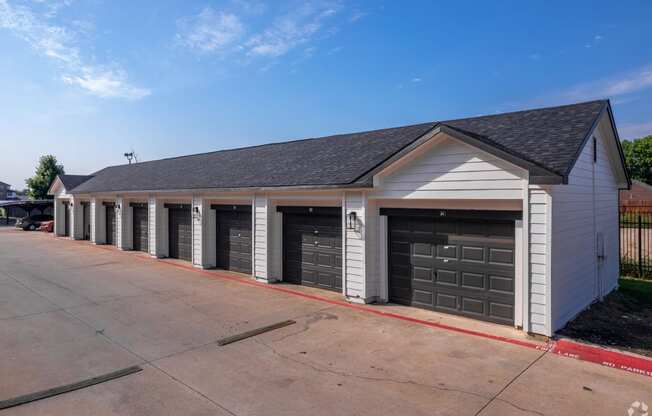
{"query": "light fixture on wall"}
{"type": "Point", "coordinates": [351, 220]}
{"type": "Point", "coordinates": [196, 209]}
{"type": "Point", "coordinates": [118, 206]}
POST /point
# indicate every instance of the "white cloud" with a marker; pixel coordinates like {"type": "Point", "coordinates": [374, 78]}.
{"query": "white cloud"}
{"type": "Point", "coordinates": [415, 80]}
{"type": "Point", "coordinates": [210, 31]}
{"type": "Point", "coordinates": [635, 130]}
{"type": "Point", "coordinates": [61, 45]}
{"type": "Point", "coordinates": [106, 83]}
{"type": "Point", "coordinates": [289, 31]}
{"type": "Point", "coordinates": [632, 82]}
{"type": "Point", "coordinates": [598, 38]}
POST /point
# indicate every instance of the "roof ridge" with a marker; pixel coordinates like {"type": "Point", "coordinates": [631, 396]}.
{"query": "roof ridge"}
{"type": "Point", "coordinates": [332, 136]}
{"type": "Point", "coordinates": [603, 100]}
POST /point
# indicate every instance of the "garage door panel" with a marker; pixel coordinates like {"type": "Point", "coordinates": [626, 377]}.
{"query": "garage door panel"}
{"type": "Point", "coordinates": [447, 277]}
{"type": "Point", "coordinates": [180, 233]}
{"type": "Point", "coordinates": [312, 250]}
{"type": "Point", "coordinates": [140, 229]}
{"type": "Point", "coordinates": [473, 281]}
{"type": "Point", "coordinates": [501, 284]}
{"type": "Point", "coordinates": [234, 247]}
{"type": "Point", "coordinates": [464, 267]}
{"type": "Point", "coordinates": [501, 311]}
{"type": "Point", "coordinates": [501, 256]}
{"type": "Point", "coordinates": [110, 225]}
{"type": "Point", "coordinates": [446, 301]}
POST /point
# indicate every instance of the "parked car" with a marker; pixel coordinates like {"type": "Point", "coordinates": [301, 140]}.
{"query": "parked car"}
{"type": "Point", "coordinates": [47, 226]}
{"type": "Point", "coordinates": [32, 222]}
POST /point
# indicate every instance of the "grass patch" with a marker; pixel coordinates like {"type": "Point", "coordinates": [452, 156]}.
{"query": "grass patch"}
{"type": "Point", "coordinates": [637, 288]}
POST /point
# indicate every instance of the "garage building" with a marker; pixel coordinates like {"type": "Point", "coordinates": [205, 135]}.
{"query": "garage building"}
{"type": "Point", "coordinates": [509, 218]}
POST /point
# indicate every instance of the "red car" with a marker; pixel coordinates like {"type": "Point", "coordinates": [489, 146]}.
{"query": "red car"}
{"type": "Point", "coordinates": [47, 226]}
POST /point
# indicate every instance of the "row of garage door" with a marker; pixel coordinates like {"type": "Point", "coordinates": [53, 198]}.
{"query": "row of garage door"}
{"type": "Point", "coordinates": [460, 262]}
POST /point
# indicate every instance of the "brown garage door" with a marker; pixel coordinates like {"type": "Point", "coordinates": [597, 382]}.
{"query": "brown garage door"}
{"type": "Point", "coordinates": [312, 247]}
{"type": "Point", "coordinates": [233, 237]}
{"type": "Point", "coordinates": [141, 227]}
{"type": "Point", "coordinates": [463, 266]}
{"type": "Point", "coordinates": [180, 227]}
{"type": "Point", "coordinates": [110, 224]}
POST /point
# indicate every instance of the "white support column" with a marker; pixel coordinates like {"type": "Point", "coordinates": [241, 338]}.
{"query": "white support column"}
{"type": "Point", "coordinates": [98, 221]}
{"type": "Point", "coordinates": [263, 208]}
{"type": "Point", "coordinates": [203, 233]}
{"type": "Point", "coordinates": [123, 223]}
{"type": "Point", "coordinates": [158, 228]}
{"type": "Point", "coordinates": [354, 264]}
{"type": "Point", "coordinates": [76, 219]}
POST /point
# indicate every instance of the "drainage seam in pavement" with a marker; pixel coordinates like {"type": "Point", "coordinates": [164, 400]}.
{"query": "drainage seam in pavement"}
{"type": "Point", "coordinates": [495, 397]}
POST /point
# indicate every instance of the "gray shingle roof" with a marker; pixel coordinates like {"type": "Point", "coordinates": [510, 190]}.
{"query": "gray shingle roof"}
{"type": "Point", "coordinates": [549, 138]}
{"type": "Point", "coordinates": [72, 181]}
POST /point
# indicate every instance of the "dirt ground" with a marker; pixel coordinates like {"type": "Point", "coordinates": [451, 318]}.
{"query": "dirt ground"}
{"type": "Point", "coordinates": [623, 320]}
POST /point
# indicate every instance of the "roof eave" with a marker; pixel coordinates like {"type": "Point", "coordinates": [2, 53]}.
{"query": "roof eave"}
{"type": "Point", "coordinates": [349, 186]}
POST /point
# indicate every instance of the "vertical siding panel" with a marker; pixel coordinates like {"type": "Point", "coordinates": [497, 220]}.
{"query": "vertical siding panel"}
{"type": "Point", "coordinates": [261, 220]}
{"type": "Point", "coordinates": [198, 233]}
{"type": "Point", "coordinates": [538, 259]}
{"type": "Point", "coordinates": [92, 219]}
{"type": "Point", "coordinates": [354, 262]}
{"type": "Point", "coordinates": [586, 206]}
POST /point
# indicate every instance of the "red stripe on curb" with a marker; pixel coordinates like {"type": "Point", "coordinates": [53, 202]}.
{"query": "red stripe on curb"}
{"type": "Point", "coordinates": [607, 358]}
{"type": "Point", "coordinates": [562, 347]}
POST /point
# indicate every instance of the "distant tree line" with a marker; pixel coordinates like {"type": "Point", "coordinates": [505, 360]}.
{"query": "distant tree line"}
{"type": "Point", "coordinates": [638, 156]}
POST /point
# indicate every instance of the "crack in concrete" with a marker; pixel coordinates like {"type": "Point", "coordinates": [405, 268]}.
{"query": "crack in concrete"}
{"type": "Point", "coordinates": [340, 373]}
{"type": "Point", "coordinates": [495, 397]}
{"type": "Point", "coordinates": [317, 368]}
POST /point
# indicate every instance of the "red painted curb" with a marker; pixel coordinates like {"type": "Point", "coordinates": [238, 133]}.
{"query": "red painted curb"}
{"type": "Point", "coordinates": [602, 356]}
{"type": "Point", "coordinates": [562, 347]}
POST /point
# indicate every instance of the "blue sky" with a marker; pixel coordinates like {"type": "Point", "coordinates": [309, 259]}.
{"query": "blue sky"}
{"type": "Point", "coordinates": [88, 80]}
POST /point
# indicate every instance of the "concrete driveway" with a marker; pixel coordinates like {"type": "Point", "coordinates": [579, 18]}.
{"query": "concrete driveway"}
{"type": "Point", "coordinates": [70, 311]}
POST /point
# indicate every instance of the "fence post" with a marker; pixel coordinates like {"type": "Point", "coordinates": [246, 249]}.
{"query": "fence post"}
{"type": "Point", "coordinates": [640, 247]}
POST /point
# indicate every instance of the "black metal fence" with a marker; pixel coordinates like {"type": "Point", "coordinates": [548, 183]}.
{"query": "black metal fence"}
{"type": "Point", "coordinates": [636, 241]}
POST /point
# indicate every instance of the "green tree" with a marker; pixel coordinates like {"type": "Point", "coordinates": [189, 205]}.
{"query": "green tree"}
{"type": "Point", "coordinates": [46, 171]}
{"type": "Point", "coordinates": [638, 156]}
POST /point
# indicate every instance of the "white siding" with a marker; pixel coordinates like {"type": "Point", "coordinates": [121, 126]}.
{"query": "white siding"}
{"type": "Point", "coordinates": [203, 233]}
{"type": "Point", "coordinates": [588, 205]}
{"type": "Point", "coordinates": [158, 228]}
{"type": "Point", "coordinates": [449, 168]}
{"type": "Point", "coordinates": [354, 246]}
{"type": "Point", "coordinates": [539, 214]}
{"type": "Point", "coordinates": [124, 224]}
{"type": "Point", "coordinates": [261, 215]}
{"type": "Point", "coordinates": [98, 221]}
{"type": "Point", "coordinates": [607, 212]}
{"type": "Point", "coordinates": [119, 210]}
